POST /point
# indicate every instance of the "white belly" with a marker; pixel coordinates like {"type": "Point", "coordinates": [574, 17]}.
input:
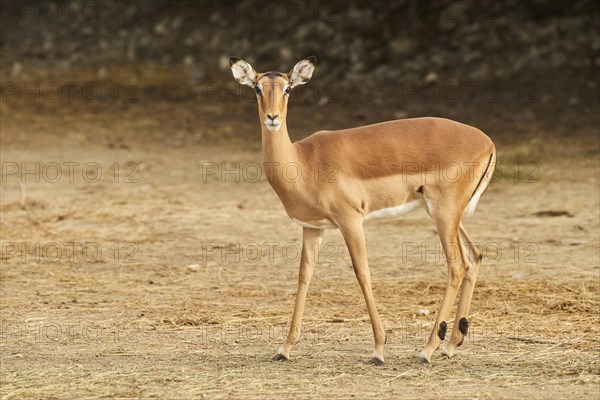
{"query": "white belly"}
{"type": "Point", "coordinates": [384, 213]}
{"type": "Point", "coordinates": [320, 224]}
{"type": "Point", "coordinates": [394, 212]}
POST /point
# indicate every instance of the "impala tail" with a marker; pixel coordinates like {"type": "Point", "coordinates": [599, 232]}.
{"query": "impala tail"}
{"type": "Point", "coordinates": [481, 186]}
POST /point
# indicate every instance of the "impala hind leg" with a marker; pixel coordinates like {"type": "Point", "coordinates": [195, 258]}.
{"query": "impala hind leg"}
{"type": "Point", "coordinates": [448, 226]}
{"type": "Point", "coordinates": [461, 323]}
{"type": "Point", "coordinates": [311, 243]}
{"type": "Point", "coordinates": [354, 236]}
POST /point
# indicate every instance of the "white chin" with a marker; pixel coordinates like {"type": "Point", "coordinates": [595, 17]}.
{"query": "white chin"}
{"type": "Point", "coordinates": [273, 128]}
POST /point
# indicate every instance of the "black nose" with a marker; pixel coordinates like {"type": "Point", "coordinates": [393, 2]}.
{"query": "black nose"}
{"type": "Point", "coordinates": [272, 117]}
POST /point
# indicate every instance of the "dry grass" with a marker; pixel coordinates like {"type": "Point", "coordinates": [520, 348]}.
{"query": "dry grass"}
{"type": "Point", "coordinates": [184, 321]}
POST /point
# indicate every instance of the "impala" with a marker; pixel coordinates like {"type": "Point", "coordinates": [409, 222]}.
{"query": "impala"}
{"type": "Point", "coordinates": [381, 171]}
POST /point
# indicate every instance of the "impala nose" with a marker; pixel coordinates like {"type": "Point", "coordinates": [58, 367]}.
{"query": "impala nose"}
{"type": "Point", "coordinates": [272, 117]}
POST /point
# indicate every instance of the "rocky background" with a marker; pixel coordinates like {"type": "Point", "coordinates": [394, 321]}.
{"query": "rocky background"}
{"type": "Point", "coordinates": [489, 62]}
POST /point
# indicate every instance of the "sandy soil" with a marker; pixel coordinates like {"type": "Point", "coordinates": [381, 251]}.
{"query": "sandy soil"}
{"type": "Point", "coordinates": [168, 280]}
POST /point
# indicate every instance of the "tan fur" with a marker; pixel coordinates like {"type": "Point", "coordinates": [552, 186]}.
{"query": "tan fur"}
{"type": "Point", "coordinates": [346, 174]}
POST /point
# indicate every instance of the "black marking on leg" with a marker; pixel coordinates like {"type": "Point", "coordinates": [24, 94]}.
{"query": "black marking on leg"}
{"type": "Point", "coordinates": [420, 189]}
{"type": "Point", "coordinates": [480, 257]}
{"type": "Point", "coordinates": [280, 357]}
{"type": "Point", "coordinates": [442, 330]}
{"type": "Point", "coordinates": [463, 326]}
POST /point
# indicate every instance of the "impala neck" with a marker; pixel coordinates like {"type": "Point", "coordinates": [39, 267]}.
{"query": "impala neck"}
{"type": "Point", "coordinates": [277, 146]}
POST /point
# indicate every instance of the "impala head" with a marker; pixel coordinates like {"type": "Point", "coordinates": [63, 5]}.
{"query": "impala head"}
{"type": "Point", "coordinates": [273, 88]}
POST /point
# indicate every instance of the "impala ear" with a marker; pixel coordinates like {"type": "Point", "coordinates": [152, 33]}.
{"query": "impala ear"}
{"type": "Point", "coordinates": [302, 72]}
{"type": "Point", "coordinates": [243, 71]}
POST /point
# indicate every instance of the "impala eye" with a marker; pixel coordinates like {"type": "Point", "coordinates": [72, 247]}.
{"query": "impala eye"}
{"type": "Point", "coordinates": [258, 91]}
{"type": "Point", "coordinates": [288, 90]}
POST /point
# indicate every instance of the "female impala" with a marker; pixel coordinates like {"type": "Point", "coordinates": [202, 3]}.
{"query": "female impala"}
{"type": "Point", "coordinates": [381, 171]}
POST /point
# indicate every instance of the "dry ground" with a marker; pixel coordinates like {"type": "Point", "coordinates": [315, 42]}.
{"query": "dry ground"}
{"type": "Point", "coordinates": [159, 284]}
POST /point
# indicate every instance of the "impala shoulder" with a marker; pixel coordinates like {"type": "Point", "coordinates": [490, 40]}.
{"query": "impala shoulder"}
{"type": "Point", "coordinates": [315, 139]}
{"type": "Point", "coordinates": [320, 134]}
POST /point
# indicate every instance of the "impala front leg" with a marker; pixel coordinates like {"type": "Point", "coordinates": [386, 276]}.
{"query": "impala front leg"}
{"type": "Point", "coordinates": [355, 240]}
{"type": "Point", "coordinates": [311, 243]}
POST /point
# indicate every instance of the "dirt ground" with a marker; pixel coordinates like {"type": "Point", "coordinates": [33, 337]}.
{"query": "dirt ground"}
{"type": "Point", "coordinates": [173, 274]}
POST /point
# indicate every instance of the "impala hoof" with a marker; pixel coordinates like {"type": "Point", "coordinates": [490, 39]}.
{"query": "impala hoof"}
{"type": "Point", "coordinates": [279, 357]}
{"type": "Point", "coordinates": [448, 352]}
{"type": "Point", "coordinates": [450, 348]}
{"type": "Point", "coordinates": [375, 361]}
{"type": "Point", "coordinates": [423, 359]}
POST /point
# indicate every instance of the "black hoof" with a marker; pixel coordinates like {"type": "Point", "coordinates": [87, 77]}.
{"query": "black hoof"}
{"type": "Point", "coordinates": [422, 359]}
{"type": "Point", "coordinates": [375, 361]}
{"type": "Point", "coordinates": [280, 357]}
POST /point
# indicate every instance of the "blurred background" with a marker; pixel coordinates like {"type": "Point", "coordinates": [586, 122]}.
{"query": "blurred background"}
{"type": "Point", "coordinates": [512, 68]}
